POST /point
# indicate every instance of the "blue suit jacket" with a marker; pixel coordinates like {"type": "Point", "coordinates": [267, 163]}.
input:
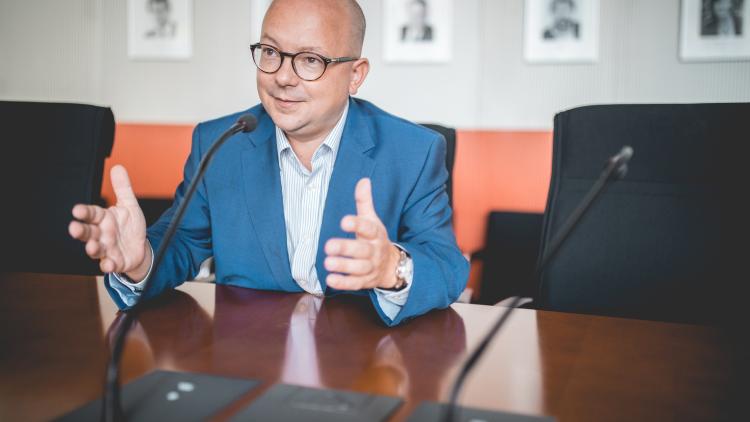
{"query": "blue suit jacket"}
{"type": "Point", "coordinates": [237, 214]}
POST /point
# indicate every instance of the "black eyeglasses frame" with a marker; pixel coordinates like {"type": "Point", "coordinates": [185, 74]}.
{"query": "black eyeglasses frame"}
{"type": "Point", "coordinates": [292, 56]}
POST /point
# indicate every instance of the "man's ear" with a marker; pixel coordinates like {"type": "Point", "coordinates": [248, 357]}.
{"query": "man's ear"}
{"type": "Point", "coordinates": [360, 68]}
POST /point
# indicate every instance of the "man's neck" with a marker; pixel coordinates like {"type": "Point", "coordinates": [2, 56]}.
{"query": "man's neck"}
{"type": "Point", "coordinates": [304, 150]}
{"type": "Point", "coordinates": [304, 147]}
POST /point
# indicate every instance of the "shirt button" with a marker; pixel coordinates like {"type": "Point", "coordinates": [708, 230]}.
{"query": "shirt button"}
{"type": "Point", "coordinates": [311, 187]}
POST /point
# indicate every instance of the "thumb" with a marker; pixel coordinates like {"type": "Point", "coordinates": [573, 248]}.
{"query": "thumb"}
{"type": "Point", "coordinates": [363, 198]}
{"type": "Point", "coordinates": [121, 186]}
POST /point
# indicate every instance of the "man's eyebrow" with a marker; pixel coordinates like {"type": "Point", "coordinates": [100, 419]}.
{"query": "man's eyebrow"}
{"type": "Point", "coordinates": [313, 50]}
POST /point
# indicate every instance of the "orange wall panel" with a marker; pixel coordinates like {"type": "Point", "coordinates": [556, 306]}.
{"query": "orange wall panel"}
{"type": "Point", "coordinates": [153, 155]}
{"type": "Point", "coordinates": [498, 170]}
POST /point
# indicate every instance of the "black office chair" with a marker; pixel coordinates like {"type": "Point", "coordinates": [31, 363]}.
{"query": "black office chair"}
{"type": "Point", "coordinates": [660, 244]}
{"type": "Point", "coordinates": [450, 157]}
{"type": "Point", "coordinates": [509, 256]}
{"type": "Point", "coordinates": [53, 157]}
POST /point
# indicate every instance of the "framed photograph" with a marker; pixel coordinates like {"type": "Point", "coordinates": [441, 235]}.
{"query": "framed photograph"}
{"type": "Point", "coordinates": [561, 31]}
{"type": "Point", "coordinates": [258, 10]}
{"type": "Point", "coordinates": [418, 31]}
{"type": "Point", "coordinates": [160, 29]}
{"type": "Point", "coordinates": [714, 30]}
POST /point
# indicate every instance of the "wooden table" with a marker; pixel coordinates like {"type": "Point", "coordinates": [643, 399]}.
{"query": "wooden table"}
{"type": "Point", "coordinates": [53, 346]}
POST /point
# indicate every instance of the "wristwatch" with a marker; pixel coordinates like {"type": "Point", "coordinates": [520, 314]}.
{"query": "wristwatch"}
{"type": "Point", "coordinates": [404, 270]}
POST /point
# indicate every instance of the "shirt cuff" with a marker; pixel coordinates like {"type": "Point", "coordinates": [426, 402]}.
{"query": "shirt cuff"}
{"type": "Point", "coordinates": [128, 290]}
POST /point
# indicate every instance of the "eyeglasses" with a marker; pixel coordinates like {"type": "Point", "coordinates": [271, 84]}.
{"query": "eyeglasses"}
{"type": "Point", "coordinates": [308, 66]}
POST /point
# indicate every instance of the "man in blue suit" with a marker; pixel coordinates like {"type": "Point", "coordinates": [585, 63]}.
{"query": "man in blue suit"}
{"type": "Point", "coordinates": [328, 194]}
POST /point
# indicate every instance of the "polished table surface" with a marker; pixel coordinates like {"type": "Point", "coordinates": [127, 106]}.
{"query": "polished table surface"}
{"type": "Point", "coordinates": [54, 337]}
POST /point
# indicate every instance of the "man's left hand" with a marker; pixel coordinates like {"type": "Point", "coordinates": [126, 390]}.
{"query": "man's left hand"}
{"type": "Point", "coordinates": [370, 259]}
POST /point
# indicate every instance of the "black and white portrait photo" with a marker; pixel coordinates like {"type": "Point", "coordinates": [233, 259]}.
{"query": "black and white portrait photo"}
{"type": "Point", "coordinates": [163, 26]}
{"type": "Point", "coordinates": [714, 30]}
{"type": "Point", "coordinates": [160, 29]}
{"type": "Point", "coordinates": [561, 31]}
{"type": "Point", "coordinates": [721, 18]}
{"type": "Point", "coordinates": [564, 21]}
{"type": "Point", "coordinates": [418, 30]}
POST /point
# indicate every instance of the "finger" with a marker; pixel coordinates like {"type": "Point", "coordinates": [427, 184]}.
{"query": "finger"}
{"type": "Point", "coordinates": [77, 230]}
{"type": "Point", "coordinates": [121, 186]}
{"type": "Point", "coordinates": [114, 254]}
{"type": "Point", "coordinates": [89, 213]}
{"type": "Point", "coordinates": [349, 247]}
{"type": "Point", "coordinates": [82, 231]}
{"type": "Point", "coordinates": [363, 198]}
{"type": "Point", "coordinates": [362, 227]}
{"type": "Point", "coordinates": [107, 265]}
{"type": "Point", "coordinates": [112, 262]}
{"type": "Point", "coordinates": [345, 282]}
{"type": "Point", "coordinates": [94, 249]}
{"type": "Point", "coordinates": [348, 265]}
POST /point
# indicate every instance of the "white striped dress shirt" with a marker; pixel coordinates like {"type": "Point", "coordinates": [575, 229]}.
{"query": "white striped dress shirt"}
{"type": "Point", "coordinates": [304, 195]}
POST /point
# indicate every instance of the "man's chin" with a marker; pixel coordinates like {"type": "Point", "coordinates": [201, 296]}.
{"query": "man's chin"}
{"type": "Point", "coordinates": [287, 123]}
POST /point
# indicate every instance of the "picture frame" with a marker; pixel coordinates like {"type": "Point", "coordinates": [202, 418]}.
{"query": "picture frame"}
{"type": "Point", "coordinates": [714, 30]}
{"type": "Point", "coordinates": [561, 31]}
{"type": "Point", "coordinates": [160, 29]}
{"type": "Point", "coordinates": [418, 31]}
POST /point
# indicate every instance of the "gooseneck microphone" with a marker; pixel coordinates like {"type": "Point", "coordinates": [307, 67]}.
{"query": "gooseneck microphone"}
{"type": "Point", "coordinates": [111, 404]}
{"type": "Point", "coordinates": [615, 169]}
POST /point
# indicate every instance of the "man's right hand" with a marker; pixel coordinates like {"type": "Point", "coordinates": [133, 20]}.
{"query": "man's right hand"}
{"type": "Point", "coordinates": [116, 236]}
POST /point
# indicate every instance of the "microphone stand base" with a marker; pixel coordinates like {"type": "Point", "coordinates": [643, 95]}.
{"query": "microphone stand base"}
{"type": "Point", "coordinates": [431, 411]}
{"type": "Point", "coordinates": [170, 396]}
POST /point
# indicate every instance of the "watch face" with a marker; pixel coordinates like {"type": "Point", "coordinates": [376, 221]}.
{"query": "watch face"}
{"type": "Point", "coordinates": [404, 270]}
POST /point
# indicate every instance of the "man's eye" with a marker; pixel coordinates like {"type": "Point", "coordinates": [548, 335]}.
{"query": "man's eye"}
{"type": "Point", "coordinates": [269, 51]}
{"type": "Point", "coordinates": [312, 60]}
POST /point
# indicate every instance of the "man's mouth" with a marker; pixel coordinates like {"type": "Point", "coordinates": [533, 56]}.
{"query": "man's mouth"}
{"type": "Point", "coordinates": [286, 100]}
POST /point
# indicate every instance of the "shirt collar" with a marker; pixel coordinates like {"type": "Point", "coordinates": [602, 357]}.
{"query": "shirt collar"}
{"type": "Point", "coordinates": [332, 140]}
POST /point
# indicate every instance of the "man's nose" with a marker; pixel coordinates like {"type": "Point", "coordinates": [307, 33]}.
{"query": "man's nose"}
{"type": "Point", "coordinates": [286, 75]}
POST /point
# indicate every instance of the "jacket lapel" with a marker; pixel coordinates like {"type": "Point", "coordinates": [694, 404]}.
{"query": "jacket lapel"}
{"type": "Point", "coordinates": [262, 188]}
{"type": "Point", "coordinates": [352, 164]}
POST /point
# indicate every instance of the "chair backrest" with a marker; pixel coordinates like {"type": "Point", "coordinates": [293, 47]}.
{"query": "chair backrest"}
{"type": "Point", "coordinates": [509, 256]}
{"type": "Point", "coordinates": [53, 157]}
{"type": "Point", "coordinates": [450, 140]}
{"type": "Point", "coordinates": [655, 245]}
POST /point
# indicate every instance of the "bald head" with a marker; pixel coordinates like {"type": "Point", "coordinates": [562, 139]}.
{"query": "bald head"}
{"type": "Point", "coordinates": [347, 11]}
{"type": "Point", "coordinates": [358, 24]}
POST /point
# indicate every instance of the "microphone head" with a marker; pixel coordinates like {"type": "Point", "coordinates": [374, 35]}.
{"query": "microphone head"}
{"type": "Point", "coordinates": [622, 159]}
{"type": "Point", "coordinates": [247, 122]}
{"type": "Point", "coordinates": [626, 153]}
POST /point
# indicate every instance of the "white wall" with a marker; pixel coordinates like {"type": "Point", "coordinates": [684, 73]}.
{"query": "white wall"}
{"type": "Point", "coordinates": [219, 79]}
{"type": "Point", "coordinates": [440, 93]}
{"type": "Point", "coordinates": [49, 51]}
{"type": "Point", "coordinates": [638, 62]}
{"type": "Point", "coordinates": [75, 50]}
